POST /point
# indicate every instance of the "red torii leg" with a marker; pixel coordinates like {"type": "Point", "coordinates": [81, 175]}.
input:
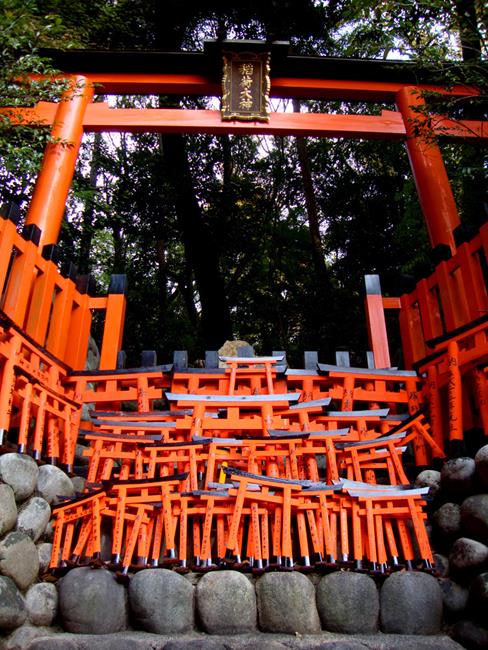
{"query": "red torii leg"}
{"type": "Point", "coordinates": [53, 182]}
{"type": "Point", "coordinates": [434, 190]}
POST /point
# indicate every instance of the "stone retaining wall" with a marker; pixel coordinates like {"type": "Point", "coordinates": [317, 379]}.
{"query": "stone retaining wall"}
{"type": "Point", "coordinates": [228, 603]}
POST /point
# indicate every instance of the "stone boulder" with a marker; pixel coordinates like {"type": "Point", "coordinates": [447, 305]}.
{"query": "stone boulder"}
{"type": "Point", "coordinates": [447, 520]}
{"type": "Point", "coordinates": [348, 603]}
{"type": "Point", "coordinates": [12, 605]}
{"type": "Point", "coordinates": [430, 478]}
{"type": "Point", "coordinates": [91, 602]}
{"type": "Point", "coordinates": [474, 517]}
{"type": "Point", "coordinates": [478, 598]}
{"type": "Point", "coordinates": [411, 603]}
{"type": "Point", "coordinates": [468, 557]}
{"type": "Point", "coordinates": [27, 634]}
{"type": "Point", "coordinates": [34, 516]}
{"type": "Point", "coordinates": [41, 601]}
{"type": "Point", "coordinates": [44, 551]}
{"type": "Point", "coordinates": [481, 463]}
{"type": "Point", "coordinates": [226, 603]}
{"type": "Point", "coordinates": [54, 643]}
{"type": "Point", "coordinates": [8, 509]}
{"type": "Point", "coordinates": [454, 597]}
{"type": "Point", "coordinates": [53, 483]}
{"type": "Point", "coordinates": [470, 635]}
{"type": "Point", "coordinates": [78, 483]}
{"type": "Point", "coordinates": [204, 643]}
{"type": "Point", "coordinates": [286, 604]}
{"type": "Point", "coordinates": [458, 477]}
{"type": "Point", "coordinates": [441, 565]}
{"type": "Point", "coordinates": [19, 559]}
{"type": "Point", "coordinates": [161, 601]}
{"type": "Point", "coordinates": [349, 644]}
{"type": "Point", "coordinates": [20, 472]}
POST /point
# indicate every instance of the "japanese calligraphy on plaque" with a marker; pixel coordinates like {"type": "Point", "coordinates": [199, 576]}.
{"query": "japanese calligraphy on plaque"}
{"type": "Point", "coordinates": [246, 84]}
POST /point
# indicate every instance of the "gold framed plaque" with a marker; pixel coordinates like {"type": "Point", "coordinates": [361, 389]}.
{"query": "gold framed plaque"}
{"type": "Point", "coordinates": [245, 86]}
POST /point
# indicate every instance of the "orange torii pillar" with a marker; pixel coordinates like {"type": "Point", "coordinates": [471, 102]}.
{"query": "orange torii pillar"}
{"type": "Point", "coordinates": [54, 180]}
{"type": "Point", "coordinates": [433, 187]}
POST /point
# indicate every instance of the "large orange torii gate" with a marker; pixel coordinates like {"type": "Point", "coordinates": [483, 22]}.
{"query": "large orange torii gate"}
{"type": "Point", "coordinates": [190, 73]}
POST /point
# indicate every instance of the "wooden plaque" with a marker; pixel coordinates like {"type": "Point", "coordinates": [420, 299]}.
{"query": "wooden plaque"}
{"type": "Point", "coordinates": [245, 87]}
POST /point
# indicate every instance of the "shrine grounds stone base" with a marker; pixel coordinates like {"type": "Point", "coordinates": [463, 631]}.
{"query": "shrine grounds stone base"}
{"type": "Point", "coordinates": [227, 610]}
{"type": "Point", "coordinates": [255, 641]}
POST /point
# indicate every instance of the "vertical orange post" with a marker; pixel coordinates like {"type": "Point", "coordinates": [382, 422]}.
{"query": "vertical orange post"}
{"type": "Point", "coordinates": [454, 388]}
{"type": "Point", "coordinates": [53, 182]}
{"type": "Point", "coordinates": [435, 408]}
{"type": "Point", "coordinates": [434, 190]}
{"type": "Point", "coordinates": [114, 323]}
{"type": "Point", "coordinates": [375, 314]}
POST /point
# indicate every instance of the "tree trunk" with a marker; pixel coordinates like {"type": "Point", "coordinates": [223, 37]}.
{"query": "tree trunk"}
{"type": "Point", "coordinates": [89, 212]}
{"type": "Point", "coordinates": [318, 259]}
{"type": "Point", "coordinates": [201, 253]}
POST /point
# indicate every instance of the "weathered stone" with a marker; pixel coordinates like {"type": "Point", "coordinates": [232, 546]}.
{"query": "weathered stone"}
{"type": "Point", "coordinates": [481, 464]}
{"type": "Point", "coordinates": [12, 606]}
{"type": "Point", "coordinates": [33, 517]}
{"type": "Point", "coordinates": [20, 472]}
{"type": "Point", "coordinates": [457, 477]}
{"type": "Point", "coordinates": [161, 601]}
{"type": "Point", "coordinates": [478, 598]}
{"type": "Point", "coordinates": [454, 596]}
{"type": "Point", "coordinates": [467, 558]}
{"type": "Point", "coordinates": [78, 483]}
{"type": "Point", "coordinates": [265, 644]}
{"type": "Point", "coordinates": [286, 603]}
{"type": "Point", "coordinates": [41, 602]}
{"type": "Point", "coordinates": [91, 602]}
{"type": "Point", "coordinates": [470, 635]}
{"type": "Point", "coordinates": [44, 551]}
{"type": "Point", "coordinates": [106, 540]}
{"type": "Point", "coordinates": [348, 602]}
{"type": "Point", "coordinates": [411, 603]}
{"type": "Point", "coordinates": [196, 644]}
{"type": "Point", "coordinates": [447, 520]}
{"type": "Point", "coordinates": [8, 509]}
{"type": "Point", "coordinates": [474, 517]}
{"type": "Point", "coordinates": [441, 564]}
{"type": "Point", "coordinates": [53, 643]}
{"type": "Point", "coordinates": [19, 559]}
{"type": "Point", "coordinates": [53, 483]}
{"type": "Point", "coordinates": [80, 458]}
{"type": "Point", "coordinates": [49, 532]}
{"type": "Point", "coordinates": [341, 645]}
{"type": "Point", "coordinates": [226, 603]}
{"type": "Point", "coordinates": [26, 635]}
{"type": "Point", "coordinates": [430, 478]}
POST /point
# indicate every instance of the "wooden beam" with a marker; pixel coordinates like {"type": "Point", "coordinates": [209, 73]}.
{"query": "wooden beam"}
{"type": "Point", "coordinates": [388, 125]}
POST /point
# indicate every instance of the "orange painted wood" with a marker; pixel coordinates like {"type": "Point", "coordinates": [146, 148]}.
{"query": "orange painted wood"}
{"type": "Point", "coordinates": [79, 333]}
{"type": "Point", "coordinates": [41, 302]}
{"type": "Point", "coordinates": [377, 330]}
{"type": "Point", "coordinates": [99, 117]}
{"type": "Point", "coordinates": [433, 187]}
{"type": "Point", "coordinates": [47, 206]}
{"type": "Point", "coordinates": [19, 284]}
{"type": "Point", "coordinates": [391, 303]}
{"type": "Point", "coordinates": [454, 388]}
{"type": "Point", "coordinates": [57, 338]}
{"type": "Point", "coordinates": [113, 331]}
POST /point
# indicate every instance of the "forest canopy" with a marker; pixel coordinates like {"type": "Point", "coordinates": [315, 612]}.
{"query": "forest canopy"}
{"type": "Point", "coordinates": [264, 239]}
